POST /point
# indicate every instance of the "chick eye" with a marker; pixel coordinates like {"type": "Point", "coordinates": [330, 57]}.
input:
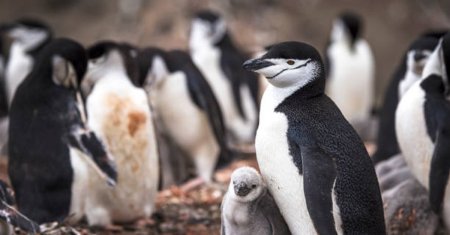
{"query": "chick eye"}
{"type": "Point", "coordinates": [254, 186]}
{"type": "Point", "coordinates": [290, 62]}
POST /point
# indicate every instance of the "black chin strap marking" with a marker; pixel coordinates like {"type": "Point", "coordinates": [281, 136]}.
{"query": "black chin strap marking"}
{"type": "Point", "coordinates": [302, 65]}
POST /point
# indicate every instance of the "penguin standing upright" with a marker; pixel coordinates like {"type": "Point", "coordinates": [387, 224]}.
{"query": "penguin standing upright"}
{"type": "Point", "coordinates": [406, 74]}
{"type": "Point", "coordinates": [220, 62]}
{"type": "Point", "coordinates": [314, 163]}
{"type": "Point", "coordinates": [350, 69]}
{"type": "Point", "coordinates": [423, 123]}
{"type": "Point", "coordinates": [178, 89]}
{"type": "Point", "coordinates": [120, 113]}
{"type": "Point", "coordinates": [29, 37]}
{"type": "Point", "coordinates": [50, 148]}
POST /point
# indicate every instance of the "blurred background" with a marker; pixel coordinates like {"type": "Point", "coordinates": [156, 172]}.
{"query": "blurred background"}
{"type": "Point", "coordinates": [389, 25]}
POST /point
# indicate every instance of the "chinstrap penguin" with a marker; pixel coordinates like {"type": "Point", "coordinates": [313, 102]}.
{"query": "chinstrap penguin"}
{"type": "Point", "coordinates": [119, 113]}
{"type": "Point", "coordinates": [248, 207]}
{"type": "Point", "coordinates": [422, 126]}
{"type": "Point", "coordinates": [50, 147]}
{"type": "Point", "coordinates": [220, 61]}
{"type": "Point", "coordinates": [314, 163]}
{"type": "Point", "coordinates": [350, 68]}
{"type": "Point", "coordinates": [178, 88]}
{"type": "Point", "coordinates": [409, 71]}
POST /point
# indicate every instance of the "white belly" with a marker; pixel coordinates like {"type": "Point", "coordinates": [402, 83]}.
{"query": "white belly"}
{"type": "Point", "coordinates": [351, 82]}
{"type": "Point", "coordinates": [412, 134]}
{"type": "Point", "coordinates": [187, 125]}
{"type": "Point", "coordinates": [119, 113]}
{"type": "Point", "coordinates": [414, 142]}
{"type": "Point", "coordinates": [278, 170]}
{"type": "Point", "coordinates": [209, 64]}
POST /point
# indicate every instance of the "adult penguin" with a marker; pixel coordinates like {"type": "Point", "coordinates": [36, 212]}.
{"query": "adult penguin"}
{"type": "Point", "coordinates": [316, 166]}
{"type": "Point", "coordinates": [50, 148]}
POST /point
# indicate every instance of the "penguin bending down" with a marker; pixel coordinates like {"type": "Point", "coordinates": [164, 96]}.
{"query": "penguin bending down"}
{"type": "Point", "coordinates": [120, 113]}
{"type": "Point", "coordinates": [426, 108]}
{"type": "Point", "coordinates": [248, 208]}
{"type": "Point", "coordinates": [219, 60]}
{"type": "Point", "coordinates": [409, 71]}
{"type": "Point", "coordinates": [187, 106]}
{"type": "Point", "coordinates": [29, 36]}
{"type": "Point", "coordinates": [50, 148]}
{"type": "Point", "coordinates": [314, 163]}
{"type": "Point", "coordinates": [350, 69]}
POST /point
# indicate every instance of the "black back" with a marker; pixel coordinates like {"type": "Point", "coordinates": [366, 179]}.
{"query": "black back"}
{"type": "Point", "coordinates": [387, 144]}
{"type": "Point", "coordinates": [41, 118]}
{"type": "Point", "coordinates": [329, 153]}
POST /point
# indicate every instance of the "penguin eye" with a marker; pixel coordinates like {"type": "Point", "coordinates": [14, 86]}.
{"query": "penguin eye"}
{"type": "Point", "coordinates": [254, 186]}
{"type": "Point", "coordinates": [290, 62]}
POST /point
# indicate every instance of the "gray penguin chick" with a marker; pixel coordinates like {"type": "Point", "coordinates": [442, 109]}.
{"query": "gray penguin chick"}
{"type": "Point", "coordinates": [248, 207]}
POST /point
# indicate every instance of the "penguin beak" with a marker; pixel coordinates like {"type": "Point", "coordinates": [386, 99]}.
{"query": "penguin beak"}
{"type": "Point", "coordinates": [256, 64]}
{"type": "Point", "coordinates": [241, 189]}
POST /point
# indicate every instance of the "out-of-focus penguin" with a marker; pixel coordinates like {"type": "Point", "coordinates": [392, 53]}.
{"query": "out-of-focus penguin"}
{"type": "Point", "coordinates": [50, 148]}
{"type": "Point", "coordinates": [423, 125]}
{"type": "Point", "coordinates": [120, 114]}
{"type": "Point", "coordinates": [28, 38]}
{"type": "Point", "coordinates": [350, 68]}
{"type": "Point", "coordinates": [219, 60]}
{"type": "Point", "coordinates": [248, 207]}
{"type": "Point", "coordinates": [187, 106]}
{"type": "Point", "coordinates": [406, 74]}
{"type": "Point", "coordinates": [316, 166]}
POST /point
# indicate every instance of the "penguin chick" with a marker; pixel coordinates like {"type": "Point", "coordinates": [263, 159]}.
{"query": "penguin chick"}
{"type": "Point", "coordinates": [50, 147]}
{"type": "Point", "coordinates": [248, 207]}
{"type": "Point", "coordinates": [120, 113]}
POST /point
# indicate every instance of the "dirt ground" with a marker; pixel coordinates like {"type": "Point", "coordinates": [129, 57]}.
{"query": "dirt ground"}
{"type": "Point", "coordinates": [389, 27]}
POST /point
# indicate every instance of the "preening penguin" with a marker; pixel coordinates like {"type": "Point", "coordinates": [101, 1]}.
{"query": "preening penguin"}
{"type": "Point", "coordinates": [49, 145]}
{"type": "Point", "coordinates": [426, 108]}
{"type": "Point", "coordinates": [29, 36]}
{"type": "Point", "coordinates": [314, 163]}
{"type": "Point", "coordinates": [409, 71]}
{"type": "Point", "coordinates": [350, 69]}
{"type": "Point", "coordinates": [219, 60]}
{"type": "Point", "coordinates": [248, 208]}
{"type": "Point", "coordinates": [120, 113]}
{"type": "Point", "coordinates": [187, 106]}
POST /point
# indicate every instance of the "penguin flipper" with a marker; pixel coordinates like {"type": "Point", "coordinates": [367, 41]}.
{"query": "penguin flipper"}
{"type": "Point", "coordinates": [439, 172]}
{"type": "Point", "coordinates": [204, 97]}
{"type": "Point", "coordinates": [319, 174]}
{"type": "Point", "coordinates": [89, 144]}
{"type": "Point", "coordinates": [273, 215]}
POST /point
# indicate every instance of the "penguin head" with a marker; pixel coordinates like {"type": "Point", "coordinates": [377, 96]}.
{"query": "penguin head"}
{"type": "Point", "coordinates": [207, 29]}
{"type": "Point", "coordinates": [289, 64]}
{"type": "Point", "coordinates": [246, 184]}
{"type": "Point", "coordinates": [419, 52]}
{"type": "Point", "coordinates": [439, 62]}
{"type": "Point", "coordinates": [31, 34]}
{"type": "Point", "coordinates": [67, 60]}
{"type": "Point", "coordinates": [347, 27]}
{"type": "Point", "coordinates": [152, 66]}
{"type": "Point", "coordinates": [106, 57]}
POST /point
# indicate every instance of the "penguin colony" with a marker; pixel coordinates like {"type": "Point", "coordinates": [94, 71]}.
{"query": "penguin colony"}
{"type": "Point", "coordinates": [82, 139]}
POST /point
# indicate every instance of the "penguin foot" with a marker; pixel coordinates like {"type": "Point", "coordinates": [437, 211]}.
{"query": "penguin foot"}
{"type": "Point", "coordinates": [192, 184]}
